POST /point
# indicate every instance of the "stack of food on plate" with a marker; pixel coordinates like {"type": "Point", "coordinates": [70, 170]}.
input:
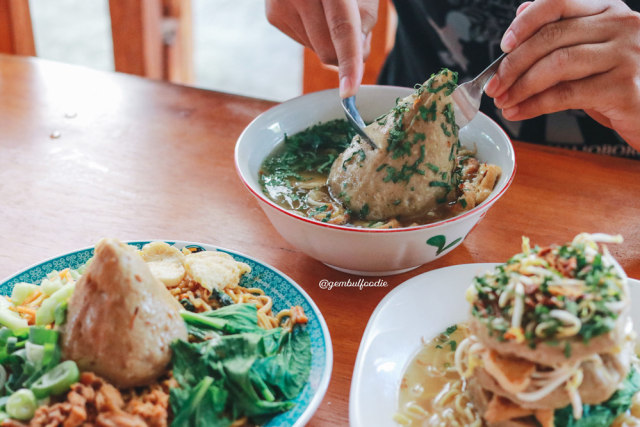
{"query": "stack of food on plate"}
{"type": "Point", "coordinates": [551, 338]}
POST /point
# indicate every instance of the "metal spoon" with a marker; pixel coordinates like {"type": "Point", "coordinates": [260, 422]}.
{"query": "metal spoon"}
{"type": "Point", "coordinates": [353, 116]}
{"type": "Point", "coordinates": [467, 96]}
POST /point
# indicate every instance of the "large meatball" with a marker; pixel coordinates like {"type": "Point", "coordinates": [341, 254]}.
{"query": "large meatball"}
{"type": "Point", "coordinates": [411, 171]}
{"type": "Point", "coordinates": [121, 320]}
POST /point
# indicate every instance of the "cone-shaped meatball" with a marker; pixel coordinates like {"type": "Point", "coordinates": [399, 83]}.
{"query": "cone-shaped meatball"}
{"type": "Point", "coordinates": [121, 320]}
{"type": "Point", "coordinates": [411, 172]}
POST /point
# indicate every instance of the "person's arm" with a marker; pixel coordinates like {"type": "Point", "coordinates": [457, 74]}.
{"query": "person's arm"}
{"type": "Point", "coordinates": [338, 31]}
{"type": "Point", "coordinates": [573, 54]}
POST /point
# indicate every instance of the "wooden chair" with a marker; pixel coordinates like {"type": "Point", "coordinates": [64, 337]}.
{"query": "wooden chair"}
{"type": "Point", "coordinates": [151, 38]}
{"type": "Point", "coordinates": [16, 36]}
{"type": "Point", "coordinates": [317, 76]}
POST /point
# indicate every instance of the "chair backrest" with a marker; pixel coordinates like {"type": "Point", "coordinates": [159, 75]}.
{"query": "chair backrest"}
{"type": "Point", "coordinates": [16, 34]}
{"type": "Point", "coordinates": [317, 76]}
{"type": "Point", "coordinates": [151, 38]}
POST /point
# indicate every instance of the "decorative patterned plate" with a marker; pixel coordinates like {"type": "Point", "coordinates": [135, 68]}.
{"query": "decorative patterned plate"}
{"type": "Point", "coordinates": [285, 293]}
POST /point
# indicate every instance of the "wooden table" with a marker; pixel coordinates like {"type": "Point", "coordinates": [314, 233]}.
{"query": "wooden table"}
{"type": "Point", "coordinates": [86, 154]}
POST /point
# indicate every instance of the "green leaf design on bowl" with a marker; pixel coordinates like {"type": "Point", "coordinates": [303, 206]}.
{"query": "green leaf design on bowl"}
{"type": "Point", "coordinates": [440, 242]}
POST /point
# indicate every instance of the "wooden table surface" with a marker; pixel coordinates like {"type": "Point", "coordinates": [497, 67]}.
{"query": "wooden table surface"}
{"type": "Point", "coordinates": [87, 154]}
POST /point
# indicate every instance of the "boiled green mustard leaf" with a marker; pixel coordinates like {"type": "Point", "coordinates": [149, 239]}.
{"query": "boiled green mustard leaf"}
{"type": "Point", "coordinates": [604, 413]}
{"type": "Point", "coordinates": [288, 370]}
{"type": "Point", "coordinates": [259, 369]}
{"type": "Point", "coordinates": [202, 405]}
{"type": "Point", "coordinates": [230, 319]}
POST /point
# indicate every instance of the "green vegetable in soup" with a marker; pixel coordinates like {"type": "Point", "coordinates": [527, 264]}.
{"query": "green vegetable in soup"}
{"type": "Point", "coordinates": [304, 155]}
{"type": "Point", "coordinates": [312, 150]}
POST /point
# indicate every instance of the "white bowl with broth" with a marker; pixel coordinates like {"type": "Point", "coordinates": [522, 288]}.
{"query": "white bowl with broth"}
{"type": "Point", "coordinates": [357, 250]}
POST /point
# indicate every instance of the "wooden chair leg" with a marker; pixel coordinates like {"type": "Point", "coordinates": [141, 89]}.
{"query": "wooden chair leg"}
{"type": "Point", "coordinates": [178, 41]}
{"type": "Point", "coordinates": [16, 32]}
{"type": "Point", "coordinates": [153, 38]}
{"type": "Point", "coordinates": [136, 29]}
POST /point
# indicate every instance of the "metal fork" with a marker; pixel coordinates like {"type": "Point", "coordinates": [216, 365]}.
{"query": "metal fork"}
{"type": "Point", "coordinates": [467, 96]}
{"type": "Point", "coordinates": [353, 116]}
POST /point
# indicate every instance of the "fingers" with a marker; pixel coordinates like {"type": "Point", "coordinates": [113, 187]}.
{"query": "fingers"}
{"type": "Point", "coordinates": [339, 31]}
{"type": "Point", "coordinates": [281, 14]}
{"type": "Point", "coordinates": [579, 94]}
{"type": "Point", "coordinates": [542, 12]}
{"type": "Point", "coordinates": [345, 31]}
{"type": "Point", "coordinates": [553, 37]}
{"type": "Point", "coordinates": [298, 34]}
{"type": "Point", "coordinates": [572, 54]}
{"type": "Point", "coordinates": [368, 14]}
{"type": "Point", "coordinates": [315, 25]}
{"type": "Point", "coordinates": [564, 64]}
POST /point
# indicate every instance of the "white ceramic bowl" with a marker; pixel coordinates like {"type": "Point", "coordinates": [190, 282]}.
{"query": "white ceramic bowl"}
{"type": "Point", "coordinates": [358, 250]}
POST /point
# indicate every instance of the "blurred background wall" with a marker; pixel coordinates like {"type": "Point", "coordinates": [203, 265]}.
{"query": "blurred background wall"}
{"type": "Point", "coordinates": [224, 45]}
{"type": "Point", "coordinates": [235, 49]}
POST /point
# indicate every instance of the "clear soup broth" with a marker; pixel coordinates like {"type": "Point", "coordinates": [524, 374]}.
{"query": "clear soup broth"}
{"type": "Point", "coordinates": [295, 174]}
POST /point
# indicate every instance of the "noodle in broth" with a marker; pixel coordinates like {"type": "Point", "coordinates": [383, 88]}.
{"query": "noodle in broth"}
{"type": "Point", "coordinates": [432, 392]}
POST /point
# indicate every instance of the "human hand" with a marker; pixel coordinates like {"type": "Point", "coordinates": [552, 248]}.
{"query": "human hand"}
{"type": "Point", "coordinates": [572, 54]}
{"type": "Point", "coordinates": [338, 31]}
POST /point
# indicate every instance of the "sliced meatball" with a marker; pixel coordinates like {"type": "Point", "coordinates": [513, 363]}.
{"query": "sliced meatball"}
{"type": "Point", "coordinates": [549, 354]}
